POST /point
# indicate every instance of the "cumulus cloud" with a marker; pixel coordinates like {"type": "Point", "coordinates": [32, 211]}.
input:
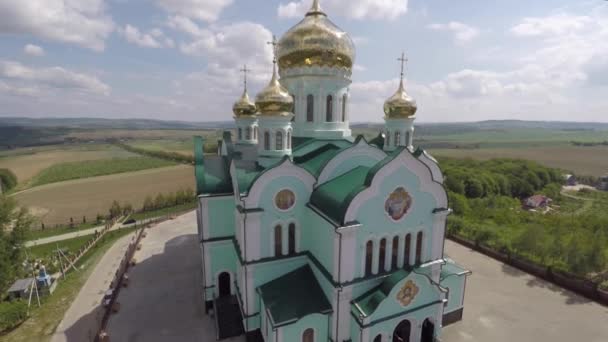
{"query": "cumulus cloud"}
{"type": "Point", "coordinates": [156, 38]}
{"type": "Point", "coordinates": [558, 24]}
{"type": "Point", "coordinates": [33, 50]}
{"type": "Point", "coordinates": [204, 10]}
{"type": "Point", "coordinates": [463, 33]}
{"type": "Point", "coordinates": [355, 9]}
{"type": "Point", "coordinates": [25, 77]}
{"type": "Point", "coordinates": [81, 22]}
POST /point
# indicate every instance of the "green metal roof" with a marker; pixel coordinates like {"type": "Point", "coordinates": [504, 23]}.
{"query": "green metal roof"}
{"type": "Point", "coordinates": [293, 296]}
{"type": "Point", "coordinates": [315, 160]}
{"type": "Point", "coordinates": [246, 173]}
{"type": "Point", "coordinates": [452, 269]}
{"type": "Point", "coordinates": [217, 178]}
{"type": "Point", "coordinates": [369, 301]}
{"type": "Point", "coordinates": [334, 197]}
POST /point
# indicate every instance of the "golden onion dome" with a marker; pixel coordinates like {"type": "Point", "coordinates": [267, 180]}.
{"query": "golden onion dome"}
{"type": "Point", "coordinates": [274, 100]}
{"type": "Point", "coordinates": [316, 41]}
{"type": "Point", "coordinates": [400, 105]}
{"type": "Point", "coordinates": [244, 107]}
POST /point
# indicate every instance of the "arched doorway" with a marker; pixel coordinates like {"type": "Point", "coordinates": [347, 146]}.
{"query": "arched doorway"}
{"type": "Point", "coordinates": [223, 283]}
{"type": "Point", "coordinates": [402, 332]}
{"type": "Point", "coordinates": [428, 331]}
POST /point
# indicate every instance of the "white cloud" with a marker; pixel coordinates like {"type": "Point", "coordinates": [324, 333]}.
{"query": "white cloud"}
{"type": "Point", "coordinates": [463, 33]}
{"type": "Point", "coordinates": [51, 78]}
{"type": "Point", "coordinates": [558, 24]}
{"type": "Point", "coordinates": [185, 25]}
{"type": "Point", "coordinates": [204, 10]}
{"type": "Point", "coordinates": [355, 9]}
{"type": "Point", "coordinates": [359, 67]}
{"type": "Point", "coordinates": [81, 22]}
{"type": "Point", "coordinates": [153, 39]}
{"type": "Point", "coordinates": [33, 50]}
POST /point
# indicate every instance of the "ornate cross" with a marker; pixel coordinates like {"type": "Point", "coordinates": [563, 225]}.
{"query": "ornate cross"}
{"type": "Point", "coordinates": [274, 44]}
{"type": "Point", "coordinates": [403, 61]}
{"type": "Point", "coordinates": [245, 71]}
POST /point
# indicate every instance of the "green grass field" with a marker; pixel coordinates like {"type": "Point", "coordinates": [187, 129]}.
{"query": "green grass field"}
{"type": "Point", "coordinates": [49, 250]}
{"type": "Point", "coordinates": [35, 234]}
{"type": "Point", "coordinates": [78, 170]}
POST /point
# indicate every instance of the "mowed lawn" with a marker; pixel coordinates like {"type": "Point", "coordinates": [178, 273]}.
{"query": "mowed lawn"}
{"type": "Point", "coordinates": [56, 203]}
{"type": "Point", "coordinates": [28, 162]}
{"type": "Point", "coordinates": [591, 161]}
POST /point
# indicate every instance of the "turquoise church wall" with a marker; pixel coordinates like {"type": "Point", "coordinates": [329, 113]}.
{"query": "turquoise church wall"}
{"type": "Point", "coordinates": [221, 217]}
{"type": "Point", "coordinates": [318, 322]}
{"type": "Point", "coordinates": [224, 259]}
{"type": "Point", "coordinates": [455, 284]}
{"type": "Point", "coordinates": [318, 238]}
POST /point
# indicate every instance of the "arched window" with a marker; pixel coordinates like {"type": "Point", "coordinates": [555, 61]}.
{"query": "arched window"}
{"type": "Point", "coordinates": [292, 238]}
{"type": "Point", "coordinates": [397, 139]}
{"type": "Point", "coordinates": [248, 133]}
{"type": "Point", "coordinates": [382, 256]}
{"type": "Point", "coordinates": [310, 108]}
{"type": "Point", "coordinates": [369, 255]}
{"type": "Point", "coordinates": [395, 255]}
{"type": "Point", "coordinates": [255, 133]}
{"type": "Point", "coordinates": [278, 240]}
{"type": "Point", "coordinates": [329, 109]}
{"type": "Point", "coordinates": [240, 133]}
{"type": "Point", "coordinates": [266, 141]}
{"type": "Point", "coordinates": [378, 338]}
{"type": "Point", "coordinates": [308, 335]}
{"type": "Point", "coordinates": [289, 140]}
{"type": "Point", "coordinates": [344, 107]}
{"type": "Point", "coordinates": [279, 141]}
{"type": "Point", "coordinates": [419, 248]}
{"type": "Point", "coordinates": [406, 250]}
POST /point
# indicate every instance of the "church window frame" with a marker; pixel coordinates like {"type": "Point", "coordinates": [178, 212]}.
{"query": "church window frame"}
{"type": "Point", "coordinates": [368, 259]}
{"type": "Point", "coordinates": [248, 133]}
{"type": "Point", "coordinates": [277, 239]}
{"type": "Point", "coordinates": [308, 335]}
{"type": "Point", "coordinates": [267, 140]}
{"type": "Point", "coordinates": [292, 238]}
{"type": "Point", "coordinates": [382, 251]}
{"type": "Point", "coordinates": [329, 109]}
{"type": "Point", "coordinates": [419, 247]}
{"type": "Point", "coordinates": [407, 249]}
{"type": "Point", "coordinates": [279, 143]}
{"type": "Point", "coordinates": [378, 338]}
{"type": "Point", "coordinates": [310, 108]}
{"type": "Point", "coordinates": [397, 141]}
{"type": "Point", "coordinates": [240, 133]}
{"type": "Point", "coordinates": [395, 252]}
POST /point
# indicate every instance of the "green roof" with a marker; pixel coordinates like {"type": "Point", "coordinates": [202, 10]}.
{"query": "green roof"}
{"type": "Point", "coordinates": [315, 160]}
{"type": "Point", "coordinates": [246, 173]}
{"type": "Point", "coordinates": [217, 175]}
{"type": "Point", "coordinates": [293, 296]}
{"type": "Point", "coordinates": [369, 301]}
{"type": "Point", "coordinates": [452, 269]}
{"type": "Point", "coordinates": [334, 197]}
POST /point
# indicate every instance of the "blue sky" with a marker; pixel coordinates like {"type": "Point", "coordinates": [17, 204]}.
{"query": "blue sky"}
{"type": "Point", "coordinates": [178, 59]}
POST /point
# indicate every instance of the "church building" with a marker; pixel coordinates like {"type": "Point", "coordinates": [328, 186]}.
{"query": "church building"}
{"type": "Point", "coordinates": [310, 234]}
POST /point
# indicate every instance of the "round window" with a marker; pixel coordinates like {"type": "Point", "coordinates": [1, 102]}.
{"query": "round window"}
{"type": "Point", "coordinates": [398, 203]}
{"type": "Point", "coordinates": [285, 199]}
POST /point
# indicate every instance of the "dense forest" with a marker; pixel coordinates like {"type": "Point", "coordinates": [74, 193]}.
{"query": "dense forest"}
{"type": "Point", "coordinates": [486, 199]}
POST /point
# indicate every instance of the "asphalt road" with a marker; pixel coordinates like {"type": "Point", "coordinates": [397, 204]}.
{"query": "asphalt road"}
{"type": "Point", "coordinates": [503, 304]}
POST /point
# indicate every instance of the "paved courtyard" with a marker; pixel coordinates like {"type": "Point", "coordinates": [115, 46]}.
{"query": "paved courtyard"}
{"type": "Point", "coordinates": [503, 304]}
{"type": "Point", "coordinates": [163, 301]}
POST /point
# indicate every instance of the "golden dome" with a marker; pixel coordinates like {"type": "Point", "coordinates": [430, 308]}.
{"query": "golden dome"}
{"type": "Point", "coordinates": [244, 107]}
{"type": "Point", "coordinates": [400, 105]}
{"type": "Point", "coordinates": [316, 41]}
{"type": "Point", "coordinates": [274, 100]}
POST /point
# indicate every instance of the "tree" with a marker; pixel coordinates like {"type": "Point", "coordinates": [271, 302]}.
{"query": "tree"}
{"type": "Point", "coordinates": [459, 204]}
{"type": "Point", "coordinates": [127, 209]}
{"type": "Point", "coordinates": [473, 188]}
{"type": "Point", "coordinates": [14, 225]}
{"type": "Point", "coordinates": [115, 210]}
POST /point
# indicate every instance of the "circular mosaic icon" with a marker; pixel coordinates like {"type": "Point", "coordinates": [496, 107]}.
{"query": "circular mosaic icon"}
{"type": "Point", "coordinates": [398, 203]}
{"type": "Point", "coordinates": [407, 293]}
{"type": "Point", "coordinates": [285, 199]}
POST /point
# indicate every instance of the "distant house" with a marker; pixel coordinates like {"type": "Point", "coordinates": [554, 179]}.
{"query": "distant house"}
{"type": "Point", "coordinates": [570, 180]}
{"type": "Point", "coordinates": [537, 202]}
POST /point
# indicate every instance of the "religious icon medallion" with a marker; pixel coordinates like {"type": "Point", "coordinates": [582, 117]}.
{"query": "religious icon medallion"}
{"type": "Point", "coordinates": [285, 199]}
{"type": "Point", "coordinates": [407, 293]}
{"type": "Point", "coordinates": [398, 203]}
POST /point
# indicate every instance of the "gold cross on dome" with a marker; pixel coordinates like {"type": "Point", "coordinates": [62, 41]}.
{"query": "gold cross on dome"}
{"type": "Point", "coordinates": [245, 71]}
{"type": "Point", "coordinates": [403, 61]}
{"type": "Point", "coordinates": [274, 44]}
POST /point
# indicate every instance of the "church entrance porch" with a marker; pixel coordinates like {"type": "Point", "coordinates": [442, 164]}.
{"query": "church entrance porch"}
{"type": "Point", "coordinates": [402, 332]}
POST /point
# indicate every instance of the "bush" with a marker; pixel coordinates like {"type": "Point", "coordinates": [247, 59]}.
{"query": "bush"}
{"type": "Point", "coordinates": [8, 179]}
{"type": "Point", "coordinates": [12, 314]}
{"type": "Point", "coordinates": [604, 285]}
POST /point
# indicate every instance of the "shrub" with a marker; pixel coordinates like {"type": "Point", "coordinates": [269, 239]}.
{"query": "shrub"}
{"type": "Point", "coordinates": [604, 285]}
{"type": "Point", "coordinates": [8, 179]}
{"type": "Point", "coordinates": [12, 314]}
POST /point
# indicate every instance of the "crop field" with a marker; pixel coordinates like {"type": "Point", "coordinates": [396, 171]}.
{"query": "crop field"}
{"type": "Point", "coordinates": [28, 162]}
{"type": "Point", "coordinates": [591, 161]}
{"type": "Point", "coordinates": [139, 134]}
{"type": "Point", "coordinates": [56, 203]}
{"type": "Point", "coordinates": [185, 147]}
{"type": "Point", "coordinates": [85, 169]}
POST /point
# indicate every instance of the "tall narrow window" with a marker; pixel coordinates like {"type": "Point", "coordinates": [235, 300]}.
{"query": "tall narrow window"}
{"type": "Point", "coordinates": [397, 139]}
{"type": "Point", "coordinates": [248, 133]}
{"type": "Point", "coordinates": [395, 255]}
{"type": "Point", "coordinates": [408, 138]}
{"type": "Point", "coordinates": [388, 138]}
{"type": "Point", "coordinates": [329, 109]}
{"type": "Point", "coordinates": [289, 140]}
{"type": "Point", "coordinates": [278, 240]}
{"type": "Point", "coordinates": [419, 248]}
{"type": "Point", "coordinates": [382, 256]}
{"type": "Point", "coordinates": [255, 133]}
{"type": "Point", "coordinates": [369, 255]}
{"type": "Point", "coordinates": [406, 250]}
{"type": "Point", "coordinates": [279, 141]}
{"type": "Point", "coordinates": [310, 108]}
{"type": "Point", "coordinates": [344, 107]}
{"type": "Point", "coordinates": [378, 338]}
{"type": "Point", "coordinates": [266, 141]}
{"type": "Point", "coordinates": [292, 238]}
{"type": "Point", "coordinates": [308, 335]}
{"type": "Point", "coordinates": [240, 133]}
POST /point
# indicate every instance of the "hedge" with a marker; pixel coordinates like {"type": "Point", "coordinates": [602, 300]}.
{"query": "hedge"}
{"type": "Point", "coordinates": [12, 314]}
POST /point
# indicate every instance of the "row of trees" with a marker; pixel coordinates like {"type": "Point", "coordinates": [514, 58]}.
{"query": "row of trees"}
{"type": "Point", "coordinates": [172, 156]}
{"type": "Point", "coordinates": [503, 177]}
{"type": "Point", "coordinates": [171, 199]}
{"type": "Point", "coordinates": [14, 225]}
{"type": "Point", "coordinates": [588, 143]}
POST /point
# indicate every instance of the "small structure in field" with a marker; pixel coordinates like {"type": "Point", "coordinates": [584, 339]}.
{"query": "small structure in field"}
{"type": "Point", "coordinates": [20, 289]}
{"type": "Point", "coordinates": [570, 180]}
{"type": "Point", "coordinates": [537, 202]}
